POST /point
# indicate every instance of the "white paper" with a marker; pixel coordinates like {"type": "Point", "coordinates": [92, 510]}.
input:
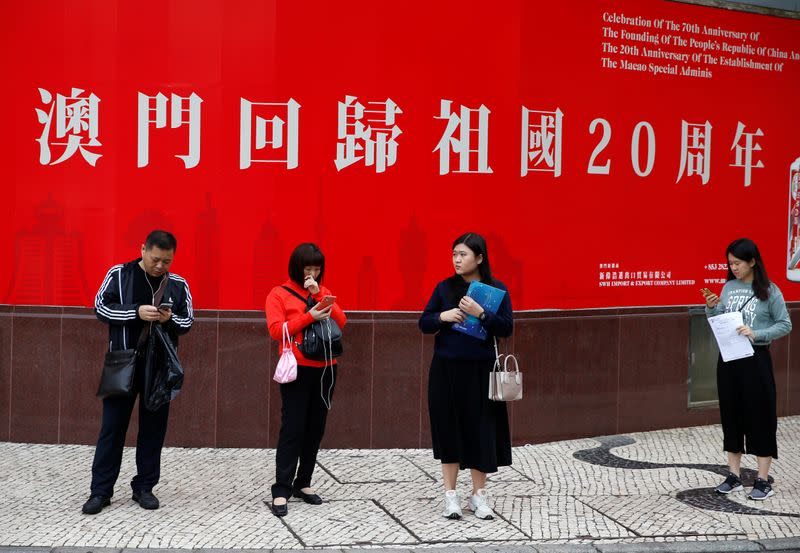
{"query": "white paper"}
{"type": "Point", "coordinates": [732, 345]}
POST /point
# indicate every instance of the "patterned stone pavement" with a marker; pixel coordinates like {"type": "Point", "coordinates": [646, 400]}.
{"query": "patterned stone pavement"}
{"type": "Point", "coordinates": [644, 488]}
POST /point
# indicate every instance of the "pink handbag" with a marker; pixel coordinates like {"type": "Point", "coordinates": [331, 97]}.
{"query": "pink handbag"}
{"type": "Point", "coordinates": [286, 371]}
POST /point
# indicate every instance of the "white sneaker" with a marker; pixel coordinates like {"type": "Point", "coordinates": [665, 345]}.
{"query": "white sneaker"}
{"type": "Point", "coordinates": [452, 505]}
{"type": "Point", "coordinates": [479, 506]}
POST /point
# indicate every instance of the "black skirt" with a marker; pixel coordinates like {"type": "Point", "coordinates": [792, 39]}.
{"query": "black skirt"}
{"type": "Point", "coordinates": [466, 426]}
{"type": "Point", "coordinates": [747, 404]}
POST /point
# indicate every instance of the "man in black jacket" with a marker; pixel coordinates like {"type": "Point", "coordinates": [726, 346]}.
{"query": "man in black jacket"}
{"type": "Point", "coordinates": [125, 302]}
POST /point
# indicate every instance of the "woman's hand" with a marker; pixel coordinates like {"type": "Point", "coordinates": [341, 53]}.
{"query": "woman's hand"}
{"type": "Point", "coordinates": [311, 285]}
{"type": "Point", "coordinates": [712, 300]}
{"type": "Point", "coordinates": [470, 306]}
{"type": "Point", "coordinates": [454, 315]}
{"type": "Point", "coordinates": [745, 330]}
{"type": "Point", "coordinates": [321, 314]}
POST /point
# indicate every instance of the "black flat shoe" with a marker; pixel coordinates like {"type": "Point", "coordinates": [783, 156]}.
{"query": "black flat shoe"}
{"type": "Point", "coordinates": [280, 510]}
{"type": "Point", "coordinates": [95, 504]}
{"type": "Point", "coordinates": [146, 500]}
{"type": "Point", "coordinates": [310, 498]}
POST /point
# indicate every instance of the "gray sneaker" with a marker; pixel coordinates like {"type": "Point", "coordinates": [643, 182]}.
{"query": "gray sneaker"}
{"type": "Point", "coordinates": [479, 505]}
{"type": "Point", "coordinates": [731, 484]}
{"type": "Point", "coordinates": [761, 490]}
{"type": "Point", "coordinates": [452, 505]}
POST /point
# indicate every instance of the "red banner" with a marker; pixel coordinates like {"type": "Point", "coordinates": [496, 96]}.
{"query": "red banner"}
{"type": "Point", "coordinates": [609, 151]}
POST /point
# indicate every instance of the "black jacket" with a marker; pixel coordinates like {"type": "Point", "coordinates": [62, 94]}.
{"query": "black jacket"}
{"type": "Point", "coordinates": [114, 305]}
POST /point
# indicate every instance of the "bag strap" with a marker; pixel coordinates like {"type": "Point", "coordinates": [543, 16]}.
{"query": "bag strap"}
{"type": "Point", "coordinates": [285, 338]}
{"type": "Point", "coordinates": [298, 296]}
{"type": "Point", "coordinates": [161, 289]}
{"type": "Point", "coordinates": [497, 356]}
{"type": "Point", "coordinates": [516, 364]}
{"type": "Point", "coordinates": [502, 364]}
{"type": "Point", "coordinates": [156, 301]}
{"type": "Point", "coordinates": [745, 303]}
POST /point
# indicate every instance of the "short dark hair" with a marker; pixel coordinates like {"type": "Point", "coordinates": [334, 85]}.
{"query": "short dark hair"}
{"type": "Point", "coordinates": [305, 255]}
{"type": "Point", "coordinates": [161, 239]}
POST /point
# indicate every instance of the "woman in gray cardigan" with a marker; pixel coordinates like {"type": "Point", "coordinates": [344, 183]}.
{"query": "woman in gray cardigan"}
{"type": "Point", "coordinates": [746, 387]}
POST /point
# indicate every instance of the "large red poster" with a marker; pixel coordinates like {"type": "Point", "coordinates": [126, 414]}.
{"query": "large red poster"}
{"type": "Point", "coordinates": [609, 151]}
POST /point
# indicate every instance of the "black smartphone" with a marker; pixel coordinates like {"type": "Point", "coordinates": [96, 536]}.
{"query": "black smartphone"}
{"type": "Point", "coordinates": [165, 305]}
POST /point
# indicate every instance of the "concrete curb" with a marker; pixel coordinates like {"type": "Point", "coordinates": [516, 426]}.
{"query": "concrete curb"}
{"type": "Point", "coordinates": [780, 544]}
{"type": "Point", "coordinates": [719, 546]}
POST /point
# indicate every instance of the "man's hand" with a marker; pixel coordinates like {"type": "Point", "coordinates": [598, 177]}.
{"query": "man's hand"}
{"type": "Point", "coordinates": [149, 313]}
{"type": "Point", "coordinates": [164, 315]}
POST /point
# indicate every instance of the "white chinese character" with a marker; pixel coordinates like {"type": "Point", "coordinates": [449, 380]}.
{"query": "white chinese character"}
{"type": "Point", "coordinates": [281, 133]}
{"type": "Point", "coordinates": [177, 109]}
{"type": "Point", "coordinates": [541, 141]}
{"type": "Point", "coordinates": [608, 276]}
{"type": "Point", "coordinates": [462, 144]}
{"type": "Point", "coordinates": [601, 276]}
{"type": "Point", "coordinates": [744, 154]}
{"type": "Point", "coordinates": [695, 150]}
{"type": "Point", "coordinates": [376, 141]}
{"type": "Point", "coordinates": [76, 119]}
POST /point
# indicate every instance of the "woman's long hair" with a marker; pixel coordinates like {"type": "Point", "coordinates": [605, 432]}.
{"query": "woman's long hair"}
{"type": "Point", "coordinates": [476, 243]}
{"type": "Point", "coordinates": [746, 250]}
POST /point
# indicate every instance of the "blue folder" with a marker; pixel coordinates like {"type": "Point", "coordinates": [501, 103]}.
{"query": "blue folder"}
{"type": "Point", "coordinates": [489, 298]}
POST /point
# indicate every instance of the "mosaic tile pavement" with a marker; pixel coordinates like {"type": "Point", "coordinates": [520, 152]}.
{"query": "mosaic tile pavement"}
{"type": "Point", "coordinates": [649, 487]}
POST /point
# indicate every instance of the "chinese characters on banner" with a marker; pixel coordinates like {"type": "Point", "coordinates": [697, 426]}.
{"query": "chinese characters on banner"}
{"type": "Point", "coordinates": [368, 133]}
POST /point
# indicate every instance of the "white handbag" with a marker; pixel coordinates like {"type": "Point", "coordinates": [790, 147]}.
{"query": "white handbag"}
{"type": "Point", "coordinates": [504, 384]}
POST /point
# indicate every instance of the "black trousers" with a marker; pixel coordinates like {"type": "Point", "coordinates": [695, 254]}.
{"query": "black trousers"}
{"type": "Point", "coordinates": [747, 404]}
{"type": "Point", "coordinates": [303, 417]}
{"type": "Point", "coordinates": [149, 442]}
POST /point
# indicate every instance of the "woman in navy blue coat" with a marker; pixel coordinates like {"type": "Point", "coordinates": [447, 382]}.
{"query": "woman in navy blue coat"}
{"type": "Point", "coordinates": [468, 430]}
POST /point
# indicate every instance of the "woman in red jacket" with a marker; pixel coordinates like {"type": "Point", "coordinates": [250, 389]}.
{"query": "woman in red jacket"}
{"type": "Point", "coordinates": [305, 402]}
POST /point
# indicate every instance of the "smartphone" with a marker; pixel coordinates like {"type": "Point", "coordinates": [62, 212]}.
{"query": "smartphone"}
{"type": "Point", "coordinates": [165, 305]}
{"type": "Point", "coordinates": [326, 302]}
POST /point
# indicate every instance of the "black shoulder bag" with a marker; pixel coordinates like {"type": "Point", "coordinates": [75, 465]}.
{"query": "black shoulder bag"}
{"type": "Point", "coordinates": [120, 365]}
{"type": "Point", "coordinates": [322, 340]}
